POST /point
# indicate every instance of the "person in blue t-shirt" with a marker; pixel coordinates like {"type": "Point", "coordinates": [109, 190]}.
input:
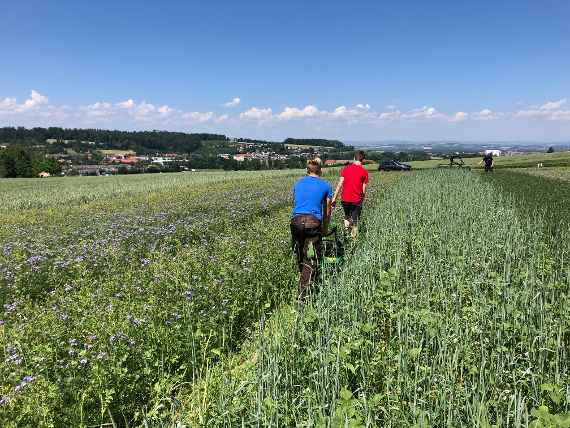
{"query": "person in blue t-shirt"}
{"type": "Point", "coordinates": [309, 220]}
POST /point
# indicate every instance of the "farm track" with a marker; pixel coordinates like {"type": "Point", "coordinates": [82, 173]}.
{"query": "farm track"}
{"type": "Point", "coordinates": [453, 312]}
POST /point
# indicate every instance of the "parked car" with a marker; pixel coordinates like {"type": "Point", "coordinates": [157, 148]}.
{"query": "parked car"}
{"type": "Point", "coordinates": [393, 165]}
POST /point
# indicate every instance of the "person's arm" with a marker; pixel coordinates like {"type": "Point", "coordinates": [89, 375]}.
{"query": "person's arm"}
{"type": "Point", "coordinates": [364, 184]}
{"type": "Point", "coordinates": [337, 190]}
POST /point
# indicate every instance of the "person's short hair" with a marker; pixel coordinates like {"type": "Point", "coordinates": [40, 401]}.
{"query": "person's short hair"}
{"type": "Point", "coordinates": [359, 155]}
{"type": "Point", "coordinates": [314, 166]}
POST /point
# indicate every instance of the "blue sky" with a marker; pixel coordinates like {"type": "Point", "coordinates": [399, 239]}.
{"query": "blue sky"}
{"type": "Point", "coordinates": [361, 70]}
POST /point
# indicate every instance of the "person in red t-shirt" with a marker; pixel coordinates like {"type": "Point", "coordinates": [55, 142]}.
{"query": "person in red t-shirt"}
{"type": "Point", "coordinates": [352, 183]}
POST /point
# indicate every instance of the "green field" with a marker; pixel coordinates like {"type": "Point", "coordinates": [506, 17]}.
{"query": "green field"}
{"type": "Point", "coordinates": [168, 300]}
{"type": "Point", "coordinates": [527, 160]}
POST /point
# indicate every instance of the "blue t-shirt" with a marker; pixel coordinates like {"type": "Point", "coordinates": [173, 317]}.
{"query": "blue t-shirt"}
{"type": "Point", "coordinates": [309, 193]}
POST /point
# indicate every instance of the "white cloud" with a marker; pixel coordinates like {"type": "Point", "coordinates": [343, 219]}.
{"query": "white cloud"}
{"type": "Point", "coordinates": [424, 112]}
{"type": "Point", "coordinates": [359, 111]}
{"type": "Point", "coordinates": [36, 99]}
{"type": "Point", "coordinates": [98, 109]}
{"type": "Point", "coordinates": [198, 117]}
{"type": "Point", "coordinates": [485, 114]}
{"type": "Point", "coordinates": [294, 112]}
{"type": "Point", "coordinates": [390, 115]}
{"type": "Point", "coordinates": [129, 104]}
{"type": "Point", "coordinates": [255, 113]}
{"type": "Point", "coordinates": [553, 105]}
{"type": "Point", "coordinates": [144, 109]}
{"type": "Point", "coordinates": [8, 104]}
{"type": "Point", "coordinates": [233, 103]}
{"type": "Point", "coordinates": [165, 110]}
{"type": "Point", "coordinates": [363, 106]}
{"type": "Point", "coordinates": [460, 116]}
{"type": "Point", "coordinates": [222, 118]}
{"type": "Point", "coordinates": [551, 110]}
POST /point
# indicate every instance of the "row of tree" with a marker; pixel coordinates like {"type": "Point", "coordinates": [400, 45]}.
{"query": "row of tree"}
{"type": "Point", "coordinates": [139, 141]}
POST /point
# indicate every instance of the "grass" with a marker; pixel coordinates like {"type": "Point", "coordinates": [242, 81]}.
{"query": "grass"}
{"type": "Point", "coordinates": [516, 161]}
{"type": "Point", "coordinates": [441, 318]}
{"type": "Point", "coordinates": [167, 299]}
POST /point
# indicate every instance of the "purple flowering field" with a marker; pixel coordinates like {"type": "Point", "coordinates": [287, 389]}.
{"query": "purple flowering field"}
{"type": "Point", "coordinates": [115, 291]}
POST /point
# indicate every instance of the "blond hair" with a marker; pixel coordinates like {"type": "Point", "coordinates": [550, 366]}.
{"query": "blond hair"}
{"type": "Point", "coordinates": [314, 166]}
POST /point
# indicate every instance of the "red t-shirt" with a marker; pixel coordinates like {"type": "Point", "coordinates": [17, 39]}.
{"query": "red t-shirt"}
{"type": "Point", "coordinates": [354, 177]}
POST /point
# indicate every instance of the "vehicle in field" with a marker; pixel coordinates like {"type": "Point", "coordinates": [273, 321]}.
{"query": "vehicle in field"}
{"type": "Point", "coordinates": [393, 165]}
{"type": "Point", "coordinates": [455, 161]}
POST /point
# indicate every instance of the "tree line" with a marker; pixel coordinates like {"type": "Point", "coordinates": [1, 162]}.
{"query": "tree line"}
{"type": "Point", "coordinates": [139, 141]}
{"type": "Point", "coordinates": [16, 162]}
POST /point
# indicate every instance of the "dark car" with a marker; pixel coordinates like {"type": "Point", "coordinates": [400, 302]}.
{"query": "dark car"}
{"type": "Point", "coordinates": [393, 165]}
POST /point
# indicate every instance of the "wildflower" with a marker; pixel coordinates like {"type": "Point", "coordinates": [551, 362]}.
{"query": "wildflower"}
{"type": "Point", "coordinates": [136, 321]}
{"type": "Point", "coordinates": [189, 295]}
{"type": "Point", "coordinates": [4, 400]}
{"type": "Point", "coordinates": [72, 342]}
{"type": "Point", "coordinates": [13, 357]}
{"type": "Point", "coordinates": [10, 307]}
{"type": "Point", "coordinates": [145, 262]}
{"type": "Point", "coordinates": [25, 381]}
{"type": "Point", "coordinates": [83, 361]}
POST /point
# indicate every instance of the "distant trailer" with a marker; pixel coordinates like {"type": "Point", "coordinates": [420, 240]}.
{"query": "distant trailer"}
{"type": "Point", "coordinates": [493, 152]}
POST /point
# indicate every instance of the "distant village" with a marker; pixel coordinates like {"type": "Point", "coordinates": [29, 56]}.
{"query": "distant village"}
{"type": "Point", "coordinates": [93, 160]}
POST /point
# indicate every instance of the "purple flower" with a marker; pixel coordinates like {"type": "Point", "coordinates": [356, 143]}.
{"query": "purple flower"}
{"type": "Point", "coordinates": [4, 400]}
{"type": "Point", "coordinates": [83, 361]}
{"type": "Point", "coordinates": [10, 307]}
{"type": "Point", "coordinates": [72, 342]}
{"type": "Point", "coordinates": [13, 356]}
{"type": "Point", "coordinates": [145, 262]}
{"type": "Point", "coordinates": [27, 380]}
{"type": "Point", "coordinates": [189, 294]}
{"type": "Point", "coordinates": [136, 321]}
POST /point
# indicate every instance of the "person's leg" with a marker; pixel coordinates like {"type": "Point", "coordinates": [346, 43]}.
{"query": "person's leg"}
{"type": "Point", "coordinates": [347, 207]}
{"type": "Point", "coordinates": [355, 215]}
{"type": "Point", "coordinates": [297, 239]}
{"type": "Point", "coordinates": [307, 228]}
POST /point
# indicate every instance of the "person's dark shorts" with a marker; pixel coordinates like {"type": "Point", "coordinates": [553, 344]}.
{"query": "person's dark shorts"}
{"type": "Point", "coordinates": [352, 211]}
{"type": "Point", "coordinates": [305, 232]}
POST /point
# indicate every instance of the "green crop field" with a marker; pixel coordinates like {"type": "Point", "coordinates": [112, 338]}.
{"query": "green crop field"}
{"type": "Point", "coordinates": [168, 300]}
{"type": "Point", "coordinates": [526, 160]}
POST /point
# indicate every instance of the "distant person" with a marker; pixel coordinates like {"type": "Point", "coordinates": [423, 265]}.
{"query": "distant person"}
{"type": "Point", "coordinates": [352, 186]}
{"type": "Point", "coordinates": [488, 161]}
{"type": "Point", "coordinates": [309, 221]}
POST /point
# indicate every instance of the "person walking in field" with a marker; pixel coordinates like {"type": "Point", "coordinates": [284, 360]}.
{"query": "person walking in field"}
{"type": "Point", "coordinates": [352, 186]}
{"type": "Point", "coordinates": [309, 221]}
{"type": "Point", "coordinates": [488, 161]}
